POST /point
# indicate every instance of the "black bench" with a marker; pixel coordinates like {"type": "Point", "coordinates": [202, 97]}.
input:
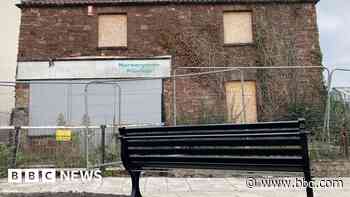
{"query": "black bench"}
{"type": "Point", "coordinates": [273, 146]}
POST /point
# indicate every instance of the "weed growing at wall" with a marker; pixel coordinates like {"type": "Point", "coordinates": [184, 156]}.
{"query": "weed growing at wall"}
{"type": "Point", "coordinates": [4, 159]}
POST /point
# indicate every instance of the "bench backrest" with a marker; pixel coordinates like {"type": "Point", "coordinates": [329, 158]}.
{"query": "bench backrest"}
{"type": "Point", "coordinates": [275, 146]}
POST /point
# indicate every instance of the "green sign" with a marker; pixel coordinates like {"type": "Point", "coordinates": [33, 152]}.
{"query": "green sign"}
{"type": "Point", "coordinates": [138, 67]}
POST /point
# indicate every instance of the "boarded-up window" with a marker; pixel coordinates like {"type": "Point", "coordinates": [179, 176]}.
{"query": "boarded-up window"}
{"type": "Point", "coordinates": [238, 27]}
{"type": "Point", "coordinates": [234, 100]}
{"type": "Point", "coordinates": [112, 30]}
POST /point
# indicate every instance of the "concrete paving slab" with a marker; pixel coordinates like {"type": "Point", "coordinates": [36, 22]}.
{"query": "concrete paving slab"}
{"type": "Point", "coordinates": [210, 184]}
{"type": "Point", "coordinates": [171, 187]}
{"type": "Point", "coordinates": [178, 185]}
{"type": "Point", "coordinates": [156, 185]}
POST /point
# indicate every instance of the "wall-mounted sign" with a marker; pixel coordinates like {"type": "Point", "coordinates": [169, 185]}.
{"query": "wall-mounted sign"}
{"type": "Point", "coordinates": [140, 68]}
{"type": "Point", "coordinates": [63, 135]}
{"type": "Point", "coordinates": [158, 67]}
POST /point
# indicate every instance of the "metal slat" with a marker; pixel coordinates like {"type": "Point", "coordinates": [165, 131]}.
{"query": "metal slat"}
{"type": "Point", "coordinates": [218, 151]}
{"type": "Point", "coordinates": [262, 141]}
{"type": "Point", "coordinates": [219, 166]}
{"type": "Point", "coordinates": [264, 125]}
{"type": "Point", "coordinates": [146, 137]}
{"type": "Point", "coordinates": [212, 159]}
{"type": "Point", "coordinates": [231, 131]}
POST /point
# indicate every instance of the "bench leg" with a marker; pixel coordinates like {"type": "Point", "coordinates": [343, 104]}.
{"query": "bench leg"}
{"type": "Point", "coordinates": [309, 190]}
{"type": "Point", "coordinates": [135, 180]}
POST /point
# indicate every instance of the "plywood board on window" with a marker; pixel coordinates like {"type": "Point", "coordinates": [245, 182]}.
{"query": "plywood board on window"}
{"type": "Point", "coordinates": [112, 30]}
{"type": "Point", "coordinates": [235, 102]}
{"type": "Point", "coordinates": [238, 27]}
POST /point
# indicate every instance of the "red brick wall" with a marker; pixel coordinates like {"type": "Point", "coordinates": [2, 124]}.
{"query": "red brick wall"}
{"type": "Point", "coordinates": [190, 33]}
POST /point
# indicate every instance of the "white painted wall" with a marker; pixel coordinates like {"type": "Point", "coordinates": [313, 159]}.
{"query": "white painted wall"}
{"type": "Point", "coordinates": [9, 21]}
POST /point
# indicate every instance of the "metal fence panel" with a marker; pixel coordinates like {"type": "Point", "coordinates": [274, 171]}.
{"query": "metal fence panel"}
{"type": "Point", "coordinates": [66, 101]}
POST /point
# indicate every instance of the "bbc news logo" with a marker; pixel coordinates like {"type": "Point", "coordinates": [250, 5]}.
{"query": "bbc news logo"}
{"type": "Point", "coordinates": [52, 175]}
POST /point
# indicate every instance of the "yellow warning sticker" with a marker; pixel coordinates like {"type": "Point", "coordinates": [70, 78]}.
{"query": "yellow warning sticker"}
{"type": "Point", "coordinates": [63, 135]}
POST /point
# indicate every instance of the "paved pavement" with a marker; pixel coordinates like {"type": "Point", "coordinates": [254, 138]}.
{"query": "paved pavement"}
{"type": "Point", "coordinates": [172, 187]}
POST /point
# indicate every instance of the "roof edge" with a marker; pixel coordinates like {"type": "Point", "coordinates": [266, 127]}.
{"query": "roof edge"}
{"type": "Point", "coordinates": [36, 5]}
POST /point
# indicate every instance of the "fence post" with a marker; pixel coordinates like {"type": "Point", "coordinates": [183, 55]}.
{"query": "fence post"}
{"type": "Point", "coordinates": [345, 142]}
{"type": "Point", "coordinates": [103, 143]}
{"type": "Point", "coordinates": [15, 148]}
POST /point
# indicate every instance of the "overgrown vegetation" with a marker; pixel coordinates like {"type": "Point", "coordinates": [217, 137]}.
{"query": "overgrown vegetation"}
{"type": "Point", "coordinates": [335, 144]}
{"type": "Point", "coordinates": [340, 114]}
{"type": "Point", "coordinates": [57, 154]}
{"type": "Point", "coordinates": [285, 91]}
{"type": "Point", "coordinates": [4, 159]}
{"type": "Point", "coordinates": [296, 93]}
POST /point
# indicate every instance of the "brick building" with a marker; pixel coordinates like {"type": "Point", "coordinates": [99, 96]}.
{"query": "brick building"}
{"type": "Point", "coordinates": [84, 40]}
